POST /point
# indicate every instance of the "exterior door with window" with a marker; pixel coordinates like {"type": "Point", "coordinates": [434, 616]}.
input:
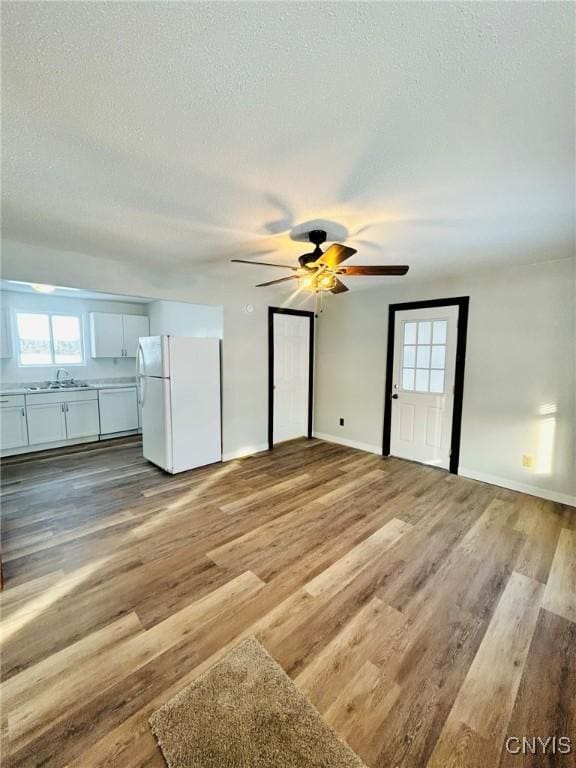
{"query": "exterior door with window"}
{"type": "Point", "coordinates": [423, 384]}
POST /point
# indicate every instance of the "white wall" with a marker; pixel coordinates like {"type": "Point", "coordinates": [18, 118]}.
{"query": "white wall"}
{"type": "Point", "coordinates": [181, 319]}
{"type": "Point", "coordinates": [244, 347]}
{"type": "Point", "coordinates": [99, 368]}
{"type": "Point", "coordinates": [520, 361]}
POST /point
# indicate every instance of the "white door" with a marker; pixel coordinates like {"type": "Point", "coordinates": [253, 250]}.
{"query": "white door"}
{"type": "Point", "coordinates": [46, 423]}
{"type": "Point", "coordinates": [13, 432]}
{"type": "Point", "coordinates": [157, 422]}
{"type": "Point", "coordinates": [291, 373]}
{"type": "Point", "coordinates": [154, 356]}
{"type": "Point", "coordinates": [423, 384]}
{"type": "Point", "coordinates": [106, 334]}
{"type": "Point", "coordinates": [118, 410]}
{"type": "Point", "coordinates": [82, 419]}
{"type": "Point", "coordinates": [134, 327]}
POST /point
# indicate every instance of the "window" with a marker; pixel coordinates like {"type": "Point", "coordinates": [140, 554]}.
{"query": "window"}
{"type": "Point", "coordinates": [424, 356]}
{"type": "Point", "coordinates": [45, 339]}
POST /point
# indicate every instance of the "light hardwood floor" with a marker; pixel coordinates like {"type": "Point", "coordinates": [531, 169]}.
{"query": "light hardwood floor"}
{"type": "Point", "coordinates": [428, 617]}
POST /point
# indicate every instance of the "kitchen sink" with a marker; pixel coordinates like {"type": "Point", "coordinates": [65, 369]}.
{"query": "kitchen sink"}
{"type": "Point", "coordinates": [53, 387]}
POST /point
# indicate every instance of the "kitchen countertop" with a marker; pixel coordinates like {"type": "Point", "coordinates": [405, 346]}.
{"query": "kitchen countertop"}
{"type": "Point", "coordinates": [27, 390]}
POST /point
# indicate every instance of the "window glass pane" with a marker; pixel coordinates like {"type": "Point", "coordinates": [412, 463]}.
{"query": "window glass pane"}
{"type": "Point", "coordinates": [438, 356]}
{"type": "Point", "coordinates": [408, 378]}
{"type": "Point", "coordinates": [33, 339]}
{"type": "Point", "coordinates": [424, 332]}
{"type": "Point", "coordinates": [409, 357]}
{"type": "Point", "coordinates": [423, 357]}
{"type": "Point", "coordinates": [410, 333]}
{"type": "Point", "coordinates": [436, 381]}
{"type": "Point", "coordinates": [421, 380]}
{"type": "Point", "coordinates": [439, 333]}
{"type": "Point", "coordinates": [67, 339]}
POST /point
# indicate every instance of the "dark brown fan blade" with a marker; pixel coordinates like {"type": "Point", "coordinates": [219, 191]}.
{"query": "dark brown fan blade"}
{"type": "Point", "coordinates": [281, 280]}
{"type": "Point", "coordinates": [369, 270]}
{"type": "Point", "coordinates": [263, 264]}
{"type": "Point", "coordinates": [339, 287]}
{"type": "Point", "coordinates": [335, 255]}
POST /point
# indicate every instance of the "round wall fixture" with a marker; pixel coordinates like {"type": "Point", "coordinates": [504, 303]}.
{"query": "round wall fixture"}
{"type": "Point", "coordinates": [249, 308]}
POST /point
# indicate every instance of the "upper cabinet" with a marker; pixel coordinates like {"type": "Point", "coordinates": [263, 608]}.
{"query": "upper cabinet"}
{"type": "Point", "coordinates": [5, 342]}
{"type": "Point", "coordinates": [113, 335]}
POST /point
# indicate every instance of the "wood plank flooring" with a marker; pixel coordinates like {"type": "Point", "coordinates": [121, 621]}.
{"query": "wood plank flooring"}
{"type": "Point", "coordinates": [428, 617]}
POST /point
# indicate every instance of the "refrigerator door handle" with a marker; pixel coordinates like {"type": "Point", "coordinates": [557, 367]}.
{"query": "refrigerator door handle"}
{"type": "Point", "coordinates": [140, 376]}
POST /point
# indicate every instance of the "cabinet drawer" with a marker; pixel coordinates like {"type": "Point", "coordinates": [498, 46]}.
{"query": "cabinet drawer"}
{"type": "Point", "coordinates": [42, 398]}
{"type": "Point", "coordinates": [7, 401]}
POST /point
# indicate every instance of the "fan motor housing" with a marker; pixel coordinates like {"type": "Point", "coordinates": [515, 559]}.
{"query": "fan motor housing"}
{"type": "Point", "coordinates": [316, 236]}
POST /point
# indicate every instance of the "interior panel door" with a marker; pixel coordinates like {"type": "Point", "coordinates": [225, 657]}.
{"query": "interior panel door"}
{"type": "Point", "coordinates": [423, 384]}
{"type": "Point", "coordinates": [291, 375]}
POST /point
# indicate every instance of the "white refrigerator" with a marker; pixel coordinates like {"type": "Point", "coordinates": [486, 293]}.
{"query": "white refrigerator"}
{"type": "Point", "coordinates": [179, 394]}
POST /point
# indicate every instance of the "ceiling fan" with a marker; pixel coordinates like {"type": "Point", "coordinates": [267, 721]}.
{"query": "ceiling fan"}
{"type": "Point", "coordinates": [320, 271]}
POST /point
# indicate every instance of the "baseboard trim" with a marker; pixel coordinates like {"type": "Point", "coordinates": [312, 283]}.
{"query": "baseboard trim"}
{"type": "Point", "coordinates": [349, 443]}
{"type": "Point", "coordinates": [246, 450]}
{"type": "Point", "coordinates": [531, 490]}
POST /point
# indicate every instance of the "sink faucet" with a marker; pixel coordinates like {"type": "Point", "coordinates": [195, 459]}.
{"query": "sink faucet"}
{"type": "Point", "coordinates": [62, 370]}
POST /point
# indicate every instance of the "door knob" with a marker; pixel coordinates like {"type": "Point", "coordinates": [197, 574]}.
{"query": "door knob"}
{"type": "Point", "coordinates": [394, 397]}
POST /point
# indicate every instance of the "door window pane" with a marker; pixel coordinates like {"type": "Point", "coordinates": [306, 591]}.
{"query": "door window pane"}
{"type": "Point", "coordinates": [409, 357]}
{"type": "Point", "coordinates": [438, 356]}
{"type": "Point", "coordinates": [424, 332]}
{"type": "Point", "coordinates": [67, 339]}
{"type": "Point", "coordinates": [439, 332]}
{"type": "Point", "coordinates": [410, 333]}
{"type": "Point", "coordinates": [437, 381]}
{"type": "Point", "coordinates": [33, 339]}
{"type": "Point", "coordinates": [422, 380]}
{"type": "Point", "coordinates": [408, 378]}
{"type": "Point", "coordinates": [423, 357]}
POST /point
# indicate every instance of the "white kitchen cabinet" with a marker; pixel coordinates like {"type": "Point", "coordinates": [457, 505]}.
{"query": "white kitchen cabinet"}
{"type": "Point", "coordinates": [134, 326]}
{"type": "Point", "coordinates": [106, 335]}
{"type": "Point", "coordinates": [116, 335]}
{"type": "Point", "coordinates": [46, 423]}
{"type": "Point", "coordinates": [5, 335]}
{"type": "Point", "coordinates": [118, 410]}
{"type": "Point", "coordinates": [82, 419]}
{"type": "Point", "coordinates": [13, 429]}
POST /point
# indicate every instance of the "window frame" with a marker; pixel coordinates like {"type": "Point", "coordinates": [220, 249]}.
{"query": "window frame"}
{"type": "Point", "coordinates": [50, 315]}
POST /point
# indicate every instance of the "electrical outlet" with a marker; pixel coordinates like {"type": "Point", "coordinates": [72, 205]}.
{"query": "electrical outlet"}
{"type": "Point", "coordinates": [341, 422]}
{"type": "Point", "coordinates": [527, 460]}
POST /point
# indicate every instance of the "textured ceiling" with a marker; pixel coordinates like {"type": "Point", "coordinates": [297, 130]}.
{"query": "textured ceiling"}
{"type": "Point", "coordinates": [181, 134]}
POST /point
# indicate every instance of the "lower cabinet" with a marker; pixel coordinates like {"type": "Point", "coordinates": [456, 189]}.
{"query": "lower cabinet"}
{"type": "Point", "coordinates": [46, 423]}
{"type": "Point", "coordinates": [82, 419]}
{"type": "Point", "coordinates": [13, 432]}
{"type": "Point", "coordinates": [51, 422]}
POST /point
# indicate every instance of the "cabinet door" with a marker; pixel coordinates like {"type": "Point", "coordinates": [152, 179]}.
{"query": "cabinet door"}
{"type": "Point", "coordinates": [13, 432]}
{"type": "Point", "coordinates": [118, 410]}
{"type": "Point", "coordinates": [82, 419]}
{"type": "Point", "coordinates": [46, 423]}
{"type": "Point", "coordinates": [134, 327]}
{"type": "Point", "coordinates": [5, 340]}
{"type": "Point", "coordinates": [106, 334]}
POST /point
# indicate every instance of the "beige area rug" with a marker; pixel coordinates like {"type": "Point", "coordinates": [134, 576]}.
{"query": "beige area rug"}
{"type": "Point", "coordinates": [245, 712]}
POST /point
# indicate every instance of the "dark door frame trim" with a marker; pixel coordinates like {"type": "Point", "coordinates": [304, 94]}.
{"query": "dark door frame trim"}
{"type": "Point", "coordinates": [301, 313]}
{"type": "Point", "coordinates": [462, 302]}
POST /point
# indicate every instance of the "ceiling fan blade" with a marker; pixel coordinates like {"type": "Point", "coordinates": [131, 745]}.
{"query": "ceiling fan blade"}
{"type": "Point", "coordinates": [281, 280]}
{"type": "Point", "coordinates": [335, 255]}
{"type": "Point", "coordinates": [263, 264]}
{"type": "Point", "coordinates": [339, 287]}
{"type": "Point", "coordinates": [374, 270]}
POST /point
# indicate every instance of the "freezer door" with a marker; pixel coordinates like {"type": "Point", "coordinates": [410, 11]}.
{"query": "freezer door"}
{"type": "Point", "coordinates": [157, 422]}
{"type": "Point", "coordinates": [154, 356]}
